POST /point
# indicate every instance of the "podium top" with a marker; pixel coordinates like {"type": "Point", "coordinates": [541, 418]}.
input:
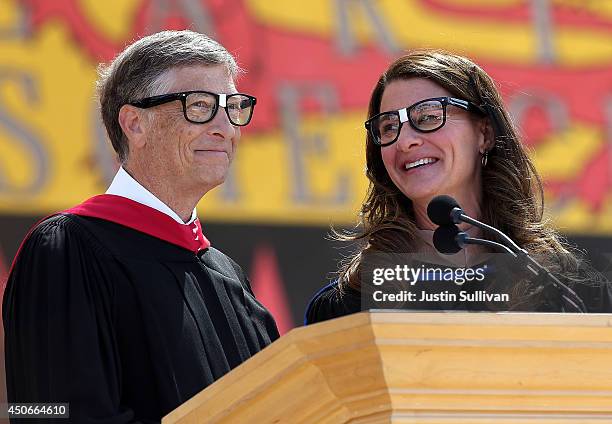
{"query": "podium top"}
{"type": "Point", "coordinates": [369, 363]}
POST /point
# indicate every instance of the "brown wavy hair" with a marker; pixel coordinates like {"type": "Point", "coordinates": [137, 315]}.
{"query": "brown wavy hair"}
{"type": "Point", "coordinates": [512, 198]}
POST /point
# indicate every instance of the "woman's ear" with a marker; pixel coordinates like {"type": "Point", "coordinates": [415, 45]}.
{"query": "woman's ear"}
{"type": "Point", "coordinates": [133, 124]}
{"type": "Point", "coordinates": [487, 141]}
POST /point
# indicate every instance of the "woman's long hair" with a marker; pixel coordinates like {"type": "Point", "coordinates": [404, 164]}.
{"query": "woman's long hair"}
{"type": "Point", "coordinates": [512, 198]}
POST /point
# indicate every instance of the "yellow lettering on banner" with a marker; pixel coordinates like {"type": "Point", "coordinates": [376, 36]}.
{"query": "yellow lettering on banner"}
{"type": "Point", "coordinates": [562, 156]}
{"type": "Point", "coordinates": [58, 113]}
{"type": "Point", "coordinates": [577, 217]}
{"type": "Point", "coordinates": [601, 8]}
{"type": "Point", "coordinates": [47, 90]}
{"type": "Point", "coordinates": [10, 14]}
{"type": "Point", "coordinates": [413, 25]}
{"type": "Point", "coordinates": [485, 3]}
{"type": "Point", "coordinates": [291, 15]}
{"type": "Point", "coordinates": [113, 19]}
{"type": "Point", "coordinates": [14, 160]}
{"type": "Point", "coordinates": [265, 176]}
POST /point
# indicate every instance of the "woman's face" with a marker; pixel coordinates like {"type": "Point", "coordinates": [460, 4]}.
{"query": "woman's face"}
{"type": "Point", "coordinates": [451, 153]}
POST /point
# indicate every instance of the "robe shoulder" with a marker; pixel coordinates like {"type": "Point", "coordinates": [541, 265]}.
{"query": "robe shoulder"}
{"type": "Point", "coordinates": [56, 246]}
{"type": "Point", "coordinates": [331, 302]}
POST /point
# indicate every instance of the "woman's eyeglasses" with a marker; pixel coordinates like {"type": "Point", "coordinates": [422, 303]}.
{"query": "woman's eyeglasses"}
{"type": "Point", "coordinates": [424, 116]}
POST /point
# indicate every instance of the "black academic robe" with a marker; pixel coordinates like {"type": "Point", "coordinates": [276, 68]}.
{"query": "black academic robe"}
{"type": "Point", "coordinates": [124, 325]}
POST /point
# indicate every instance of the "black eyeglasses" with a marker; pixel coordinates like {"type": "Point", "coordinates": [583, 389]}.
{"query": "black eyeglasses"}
{"type": "Point", "coordinates": [425, 116]}
{"type": "Point", "coordinates": [200, 107]}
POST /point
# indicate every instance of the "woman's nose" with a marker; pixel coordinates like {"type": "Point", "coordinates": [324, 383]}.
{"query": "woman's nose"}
{"type": "Point", "coordinates": [407, 139]}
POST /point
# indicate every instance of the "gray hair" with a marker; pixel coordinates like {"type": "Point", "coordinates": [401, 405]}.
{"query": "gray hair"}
{"type": "Point", "coordinates": [139, 71]}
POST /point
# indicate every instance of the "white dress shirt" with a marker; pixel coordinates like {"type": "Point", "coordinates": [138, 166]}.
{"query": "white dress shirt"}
{"type": "Point", "coordinates": [125, 185]}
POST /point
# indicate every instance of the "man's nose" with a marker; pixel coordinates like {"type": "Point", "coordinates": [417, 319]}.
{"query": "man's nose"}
{"type": "Point", "coordinates": [221, 125]}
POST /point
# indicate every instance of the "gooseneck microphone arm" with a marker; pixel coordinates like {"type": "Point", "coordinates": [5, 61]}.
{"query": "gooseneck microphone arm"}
{"type": "Point", "coordinates": [444, 211]}
{"type": "Point", "coordinates": [569, 296]}
{"type": "Point", "coordinates": [458, 217]}
{"type": "Point", "coordinates": [493, 245]}
{"type": "Point", "coordinates": [522, 255]}
{"type": "Point", "coordinates": [449, 239]}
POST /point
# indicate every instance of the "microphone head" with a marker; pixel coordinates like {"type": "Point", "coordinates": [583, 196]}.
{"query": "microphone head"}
{"type": "Point", "coordinates": [444, 239]}
{"type": "Point", "coordinates": [440, 208]}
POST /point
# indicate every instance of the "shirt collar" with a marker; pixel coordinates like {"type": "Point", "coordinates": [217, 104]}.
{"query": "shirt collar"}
{"type": "Point", "coordinates": [125, 185]}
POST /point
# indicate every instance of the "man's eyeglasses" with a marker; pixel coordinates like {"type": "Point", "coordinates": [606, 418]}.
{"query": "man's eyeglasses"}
{"type": "Point", "coordinates": [200, 107]}
{"type": "Point", "coordinates": [425, 116]}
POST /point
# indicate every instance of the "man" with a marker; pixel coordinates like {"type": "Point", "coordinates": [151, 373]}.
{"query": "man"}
{"type": "Point", "coordinates": [120, 306]}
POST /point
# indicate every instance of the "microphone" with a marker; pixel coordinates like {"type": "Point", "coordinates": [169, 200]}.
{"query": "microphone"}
{"type": "Point", "coordinates": [448, 239]}
{"type": "Point", "coordinates": [440, 210]}
{"type": "Point", "coordinates": [445, 239]}
{"type": "Point", "coordinates": [444, 211]}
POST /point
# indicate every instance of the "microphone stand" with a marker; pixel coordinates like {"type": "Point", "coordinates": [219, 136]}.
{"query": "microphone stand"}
{"type": "Point", "coordinates": [542, 274]}
{"type": "Point", "coordinates": [569, 296]}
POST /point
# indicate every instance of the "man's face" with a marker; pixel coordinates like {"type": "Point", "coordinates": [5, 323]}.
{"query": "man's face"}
{"type": "Point", "coordinates": [184, 155]}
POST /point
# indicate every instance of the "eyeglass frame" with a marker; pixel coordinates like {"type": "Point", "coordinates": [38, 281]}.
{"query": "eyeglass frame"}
{"type": "Point", "coordinates": [221, 101]}
{"type": "Point", "coordinates": [404, 115]}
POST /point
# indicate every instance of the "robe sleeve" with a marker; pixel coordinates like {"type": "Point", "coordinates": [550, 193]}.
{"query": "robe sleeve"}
{"type": "Point", "coordinates": [58, 322]}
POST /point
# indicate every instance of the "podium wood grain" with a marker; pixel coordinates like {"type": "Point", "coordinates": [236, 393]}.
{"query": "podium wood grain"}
{"type": "Point", "coordinates": [403, 367]}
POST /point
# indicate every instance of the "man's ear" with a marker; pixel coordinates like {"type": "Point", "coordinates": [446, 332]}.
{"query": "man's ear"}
{"type": "Point", "coordinates": [487, 141]}
{"type": "Point", "coordinates": [134, 125]}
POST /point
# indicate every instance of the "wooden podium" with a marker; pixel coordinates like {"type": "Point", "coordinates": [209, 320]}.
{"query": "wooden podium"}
{"type": "Point", "coordinates": [406, 367]}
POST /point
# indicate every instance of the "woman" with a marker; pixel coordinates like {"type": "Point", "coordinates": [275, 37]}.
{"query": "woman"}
{"type": "Point", "coordinates": [437, 125]}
